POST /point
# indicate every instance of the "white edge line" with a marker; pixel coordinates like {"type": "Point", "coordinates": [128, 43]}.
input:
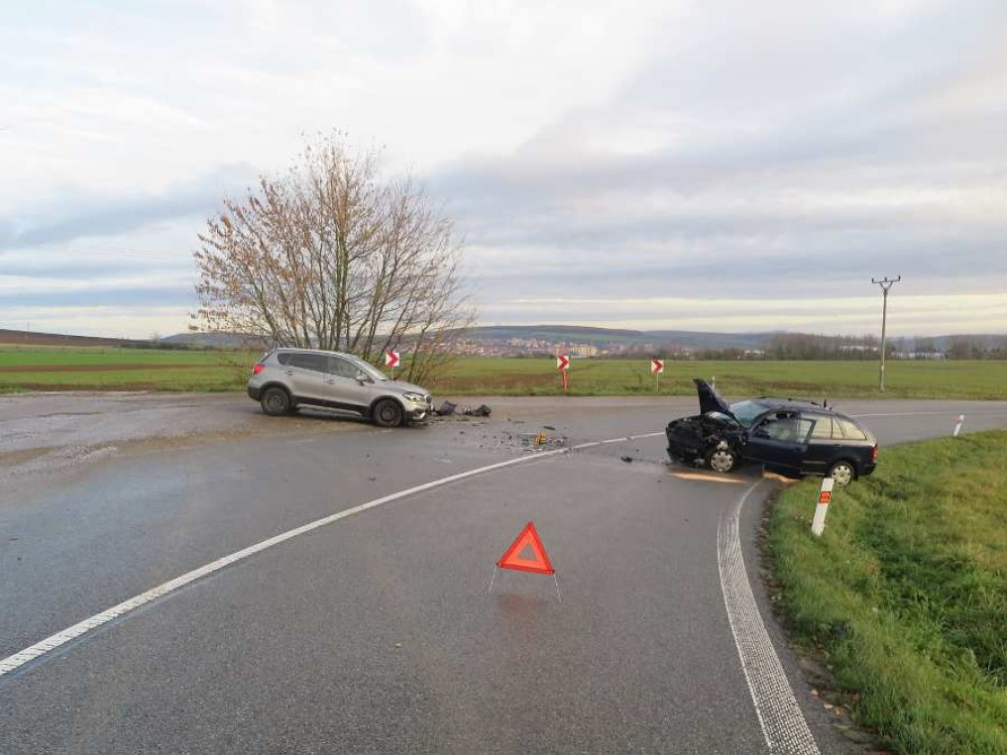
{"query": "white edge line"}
{"type": "Point", "coordinates": [946, 413]}
{"type": "Point", "coordinates": [19, 659]}
{"type": "Point", "coordinates": [783, 724]}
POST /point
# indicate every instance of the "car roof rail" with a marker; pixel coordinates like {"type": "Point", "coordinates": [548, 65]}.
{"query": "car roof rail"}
{"type": "Point", "coordinates": [824, 404]}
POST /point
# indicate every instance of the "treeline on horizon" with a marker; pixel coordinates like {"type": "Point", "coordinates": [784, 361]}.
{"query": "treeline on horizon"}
{"type": "Point", "coordinates": [805, 346]}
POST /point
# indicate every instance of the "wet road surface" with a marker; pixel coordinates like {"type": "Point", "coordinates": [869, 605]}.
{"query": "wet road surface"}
{"type": "Point", "coordinates": [377, 633]}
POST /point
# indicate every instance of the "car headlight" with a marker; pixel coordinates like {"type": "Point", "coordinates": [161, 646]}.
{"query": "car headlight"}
{"type": "Point", "coordinates": [419, 398]}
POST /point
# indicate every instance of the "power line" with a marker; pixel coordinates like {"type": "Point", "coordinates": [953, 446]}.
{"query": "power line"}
{"type": "Point", "coordinates": [886, 286]}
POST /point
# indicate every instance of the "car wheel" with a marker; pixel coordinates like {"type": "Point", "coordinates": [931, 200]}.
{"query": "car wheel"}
{"type": "Point", "coordinates": [275, 401]}
{"type": "Point", "coordinates": [721, 460]}
{"type": "Point", "coordinates": [842, 472]}
{"type": "Point", "coordinates": [387, 413]}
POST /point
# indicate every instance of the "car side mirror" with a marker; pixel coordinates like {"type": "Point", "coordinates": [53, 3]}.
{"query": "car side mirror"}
{"type": "Point", "coordinates": [364, 379]}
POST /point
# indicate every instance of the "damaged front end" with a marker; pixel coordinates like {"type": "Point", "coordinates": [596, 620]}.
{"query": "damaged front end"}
{"type": "Point", "coordinates": [713, 439]}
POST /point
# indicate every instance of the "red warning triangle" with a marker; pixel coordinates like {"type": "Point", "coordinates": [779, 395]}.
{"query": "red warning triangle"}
{"type": "Point", "coordinates": [528, 539]}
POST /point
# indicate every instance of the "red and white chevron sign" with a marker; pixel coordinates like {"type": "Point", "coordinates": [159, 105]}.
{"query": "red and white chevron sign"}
{"type": "Point", "coordinates": [391, 359]}
{"type": "Point", "coordinates": [657, 365]}
{"type": "Point", "coordinates": [562, 362]}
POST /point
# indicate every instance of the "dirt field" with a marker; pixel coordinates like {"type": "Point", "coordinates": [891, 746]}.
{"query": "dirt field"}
{"type": "Point", "coordinates": [28, 338]}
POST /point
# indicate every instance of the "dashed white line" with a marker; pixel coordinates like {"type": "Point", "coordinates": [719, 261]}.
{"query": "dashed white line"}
{"type": "Point", "coordinates": [781, 719]}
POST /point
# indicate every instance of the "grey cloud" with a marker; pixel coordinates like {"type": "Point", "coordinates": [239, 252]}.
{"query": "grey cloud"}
{"type": "Point", "coordinates": [180, 296]}
{"type": "Point", "coordinates": [863, 166]}
{"type": "Point", "coordinates": [76, 214]}
{"type": "Point", "coordinates": [78, 267]}
{"type": "Point", "coordinates": [840, 267]}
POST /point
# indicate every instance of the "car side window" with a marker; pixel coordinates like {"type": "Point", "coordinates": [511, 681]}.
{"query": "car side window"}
{"type": "Point", "coordinates": [342, 368]}
{"type": "Point", "coordinates": [787, 428]}
{"type": "Point", "coordinates": [283, 359]}
{"type": "Point", "coordinates": [850, 430]}
{"type": "Point", "coordinates": [822, 429]}
{"type": "Point", "coordinates": [315, 362]}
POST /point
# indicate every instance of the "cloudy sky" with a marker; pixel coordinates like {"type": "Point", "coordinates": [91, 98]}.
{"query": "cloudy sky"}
{"type": "Point", "coordinates": [714, 165]}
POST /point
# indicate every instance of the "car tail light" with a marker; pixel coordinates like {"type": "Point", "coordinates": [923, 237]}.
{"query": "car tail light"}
{"type": "Point", "coordinates": [874, 453]}
{"type": "Point", "coordinates": [260, 367]}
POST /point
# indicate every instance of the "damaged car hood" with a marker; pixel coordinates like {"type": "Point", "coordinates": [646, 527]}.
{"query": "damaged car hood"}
{"type": "Point", "coordinates": [710, 400]}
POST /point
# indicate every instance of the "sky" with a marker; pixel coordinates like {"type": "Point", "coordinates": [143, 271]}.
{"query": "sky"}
{"type": "Point", "coordinates": [718, 165]}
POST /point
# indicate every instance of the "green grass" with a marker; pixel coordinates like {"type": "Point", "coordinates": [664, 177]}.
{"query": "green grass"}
{"type": "Point", "coordinates": [60, 356]}
{"type": "Point", "coordinates": [60, 368]}
{"type": "Point", "coordinates": [501, 376]}
{"type": "Point", "coordinates": [905, 595]}
{"type": "Point", "coordinates": [470, 376]}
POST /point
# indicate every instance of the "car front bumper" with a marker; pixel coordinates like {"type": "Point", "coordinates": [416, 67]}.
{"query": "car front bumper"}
{"type": "Point", "coordinates": [417, 412]}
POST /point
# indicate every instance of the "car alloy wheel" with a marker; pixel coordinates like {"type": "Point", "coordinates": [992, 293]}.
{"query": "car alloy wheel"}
{"type": "Point", "coordinates": [842, 472]}
{"type": "Point", "coordinates": [721, 460]}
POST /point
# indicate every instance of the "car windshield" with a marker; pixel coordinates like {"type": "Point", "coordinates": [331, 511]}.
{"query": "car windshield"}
{"type": "Point", "coordinates": [372, 372]}
{"type": "Point", "coordinates": [746, 411]}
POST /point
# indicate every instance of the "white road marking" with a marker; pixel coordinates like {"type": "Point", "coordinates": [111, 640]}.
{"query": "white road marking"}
{"type": "Point", "coordinates": [782, 721]}
{"type": "Point", "coordinates": [948, 413]}
{"type": "Point", "coordinates": [9, 664]}
{"type": "Point", "coordinates": [628, 438]}
{"type": "Point", "coordinates": [16, 661]}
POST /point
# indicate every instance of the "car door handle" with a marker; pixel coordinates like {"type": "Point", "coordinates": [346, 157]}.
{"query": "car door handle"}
{"type": "Point", "coordinates": [290, 372]}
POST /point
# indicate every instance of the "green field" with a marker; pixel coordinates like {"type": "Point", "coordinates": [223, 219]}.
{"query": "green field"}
{"type": "Point", "coordinates": [59, 368]}
{"type": "Point", "coordinates": [952, 379]}
{"type": "Point", "coordinates": [40, 368]}
{"type": "Point", "coordinates": [904, 597]}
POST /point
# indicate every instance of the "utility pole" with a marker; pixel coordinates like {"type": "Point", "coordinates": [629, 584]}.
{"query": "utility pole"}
{"type": "Point", "coordinates": [886, 285]}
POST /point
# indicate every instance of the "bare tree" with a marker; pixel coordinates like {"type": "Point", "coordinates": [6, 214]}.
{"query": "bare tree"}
{"type": "Point", "coordinates": [331, 257]}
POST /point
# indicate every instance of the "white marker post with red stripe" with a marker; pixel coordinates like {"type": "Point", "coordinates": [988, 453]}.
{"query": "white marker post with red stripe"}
{"type": "Point", "coordinates": [958, 424]}
{"type": "Point", "coordinates": [824, 497]}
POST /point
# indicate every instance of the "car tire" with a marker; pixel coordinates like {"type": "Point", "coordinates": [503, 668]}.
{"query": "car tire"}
{"type": "Point", "coordinates": [276, 402]}
{"type": "Point", "coordinates": [843, 472]}
{"type": "Point", "coordinates": [721, 460]}
{"type": "Point", "coordinates": [387, 413]}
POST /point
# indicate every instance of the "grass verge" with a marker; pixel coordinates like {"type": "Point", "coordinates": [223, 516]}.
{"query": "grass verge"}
{"type": "Point", "coordinates": [905, 595]}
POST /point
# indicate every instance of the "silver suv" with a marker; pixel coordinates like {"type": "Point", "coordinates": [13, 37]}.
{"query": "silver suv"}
{"type": "Point", "coordinates": [285, 379]}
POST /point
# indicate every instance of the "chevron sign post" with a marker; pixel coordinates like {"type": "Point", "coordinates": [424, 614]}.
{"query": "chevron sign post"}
{"type": "Point", "coordinates": [657, 367]}
{"type": "Point", "coordinates": [391, 359]}
{"type": "Point", "coordinates": [563, 365]}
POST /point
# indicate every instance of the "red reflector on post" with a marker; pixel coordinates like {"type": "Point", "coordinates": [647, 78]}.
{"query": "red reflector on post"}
{"type": "Point", "coordinates": [258, 368]}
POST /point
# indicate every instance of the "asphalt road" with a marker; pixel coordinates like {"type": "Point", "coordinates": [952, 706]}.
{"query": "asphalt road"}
{"type": "Point", "coordinates": [377, 632]}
